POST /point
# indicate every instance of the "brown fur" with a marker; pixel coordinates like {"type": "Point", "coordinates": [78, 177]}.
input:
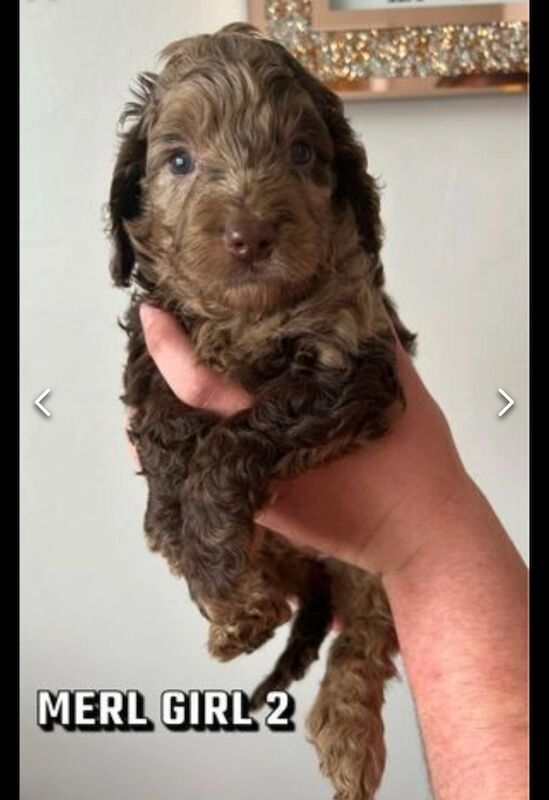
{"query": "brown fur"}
{"type": "Point", "coordinates": [305, 329]}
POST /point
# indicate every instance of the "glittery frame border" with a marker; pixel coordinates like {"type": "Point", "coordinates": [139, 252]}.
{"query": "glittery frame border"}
{"type": "Point", "coordinates": [445, 59]}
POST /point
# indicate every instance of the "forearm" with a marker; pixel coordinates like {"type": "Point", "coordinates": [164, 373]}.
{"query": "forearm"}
{"type": "Point", "coordinates": [460, 608]}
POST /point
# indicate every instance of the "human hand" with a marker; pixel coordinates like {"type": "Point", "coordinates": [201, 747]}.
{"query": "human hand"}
{"type": "Point", "coordinates": [371, 507]}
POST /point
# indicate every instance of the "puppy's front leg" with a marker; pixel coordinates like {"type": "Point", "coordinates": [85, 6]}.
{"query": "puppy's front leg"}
{"type": "Point", "coordinates": [166, 435]}
{"type": "Point", "coordinates": [298, 422]}
{"type": "Point", "coordinates": [249, 618]}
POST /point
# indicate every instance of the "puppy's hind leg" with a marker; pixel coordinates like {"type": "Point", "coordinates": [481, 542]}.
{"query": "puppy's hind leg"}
{"type": "Point", "coordinates": [345, 724]}
{"type": "Point", "coordinates": [309, 629]}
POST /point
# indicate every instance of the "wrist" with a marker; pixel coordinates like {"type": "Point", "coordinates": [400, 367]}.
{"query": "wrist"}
{"type": "Point", "coordinates": [417, 521]}
{"type": "Point", "coordinates": [463, 538]}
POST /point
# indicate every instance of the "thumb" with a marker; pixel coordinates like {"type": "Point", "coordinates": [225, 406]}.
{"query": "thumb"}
{"type": "Point", "coordinates": [194, 384]}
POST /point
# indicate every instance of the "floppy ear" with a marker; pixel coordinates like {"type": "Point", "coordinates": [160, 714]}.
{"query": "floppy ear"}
{"type": "Point", "coordinates": [125, 194]}
{"type": "Point", "coordinates": [354, 184]}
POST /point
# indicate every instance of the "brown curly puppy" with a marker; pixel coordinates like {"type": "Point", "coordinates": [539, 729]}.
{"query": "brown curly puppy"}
{"type": "Point", "coordinates": [241, 202]}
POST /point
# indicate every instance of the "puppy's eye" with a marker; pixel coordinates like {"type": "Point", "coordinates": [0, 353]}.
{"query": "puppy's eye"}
{"type": "Point", "coordinates": [300, 153]}
{"type": "Point", "coordinates": [181, 163]}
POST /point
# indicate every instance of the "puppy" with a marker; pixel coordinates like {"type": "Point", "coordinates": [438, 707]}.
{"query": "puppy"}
{"type": "Point", "coordinates": [242, 204]}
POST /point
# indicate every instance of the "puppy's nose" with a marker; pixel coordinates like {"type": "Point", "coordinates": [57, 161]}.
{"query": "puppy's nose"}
{"type": "Point", "coordinates": [249, 239]}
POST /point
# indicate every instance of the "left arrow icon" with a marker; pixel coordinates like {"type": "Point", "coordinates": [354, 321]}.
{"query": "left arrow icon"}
{"type": "Point", "coordinates": [38, 402]}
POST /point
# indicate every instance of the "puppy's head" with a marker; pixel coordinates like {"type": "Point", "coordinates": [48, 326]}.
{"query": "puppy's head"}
{"type": "Point", "coordinates": [232, 178]}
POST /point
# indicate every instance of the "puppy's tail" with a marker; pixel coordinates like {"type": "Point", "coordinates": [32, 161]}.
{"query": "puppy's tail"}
{"type": "Point", "coordinates": [309, 629]}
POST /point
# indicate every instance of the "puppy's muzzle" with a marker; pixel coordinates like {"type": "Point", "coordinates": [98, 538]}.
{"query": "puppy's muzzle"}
{"type": "Point", "coordinates": [249, 239]}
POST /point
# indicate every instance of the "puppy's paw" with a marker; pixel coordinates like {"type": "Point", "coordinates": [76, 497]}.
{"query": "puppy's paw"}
{"type": "Point", "coordinates": [249, 631]}
{"type": "Point", "coordinates": [349, 746]}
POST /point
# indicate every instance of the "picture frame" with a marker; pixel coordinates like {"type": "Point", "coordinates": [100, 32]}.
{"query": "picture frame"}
{"type": "Point", "coordinates": [375, 49]}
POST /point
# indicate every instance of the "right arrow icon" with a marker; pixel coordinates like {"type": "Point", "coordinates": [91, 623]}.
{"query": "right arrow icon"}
{"type": "Point", "coordinates": [510, 403]}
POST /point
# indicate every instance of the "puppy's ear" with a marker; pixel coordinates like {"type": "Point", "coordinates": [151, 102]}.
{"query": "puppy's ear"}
{"type": "Point", "coordinates": [125, 193]}
{"type": "Point", "coordinates": [354, 184]}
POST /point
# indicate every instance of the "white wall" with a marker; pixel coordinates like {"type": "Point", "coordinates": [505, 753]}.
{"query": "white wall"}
{"type": "Point", "coordinates": [97, 609]}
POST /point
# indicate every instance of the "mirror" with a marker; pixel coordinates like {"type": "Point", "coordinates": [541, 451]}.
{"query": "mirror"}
{"type": "Point", "coordinates": [377, 5]}
{"type": "Point", "coordinates": [370, 49]}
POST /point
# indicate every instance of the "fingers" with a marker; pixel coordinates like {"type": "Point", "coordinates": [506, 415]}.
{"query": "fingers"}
{"type": "Point", "coordinates": [192, 383]}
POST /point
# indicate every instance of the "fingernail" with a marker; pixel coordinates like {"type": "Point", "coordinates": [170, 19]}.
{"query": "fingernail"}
{"type": "Point", "coordinates": [148, 313]}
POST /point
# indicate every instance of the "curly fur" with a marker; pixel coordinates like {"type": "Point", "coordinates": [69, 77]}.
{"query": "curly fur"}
{"type": "Point", "coordinates": [305, 329]}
